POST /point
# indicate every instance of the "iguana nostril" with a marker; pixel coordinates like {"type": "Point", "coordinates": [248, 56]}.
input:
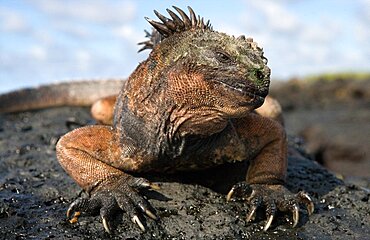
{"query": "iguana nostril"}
{"type": "Point", "coordinates": [259, 74]}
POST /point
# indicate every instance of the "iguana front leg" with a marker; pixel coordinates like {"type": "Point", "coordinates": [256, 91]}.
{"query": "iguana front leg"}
{"type": "Point", "coordinates": [93, 157]}
{"type": "Point", "coordinates": [265, 139]}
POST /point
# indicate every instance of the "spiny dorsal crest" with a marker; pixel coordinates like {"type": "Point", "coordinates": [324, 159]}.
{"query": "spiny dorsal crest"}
{"type": "Point", "coordinates": [169, 26]}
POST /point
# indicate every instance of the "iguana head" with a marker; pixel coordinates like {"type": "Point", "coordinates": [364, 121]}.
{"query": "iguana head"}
{"type": "Point", "coordinates": [204, 68]}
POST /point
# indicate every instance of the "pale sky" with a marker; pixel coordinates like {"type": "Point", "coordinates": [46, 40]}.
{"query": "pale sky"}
{"type": "Point", "coordinates": [43, 41]}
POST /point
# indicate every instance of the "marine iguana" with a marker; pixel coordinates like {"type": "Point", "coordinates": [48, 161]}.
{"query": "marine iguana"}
{"type": "Point", "coordinates": [190, 105]}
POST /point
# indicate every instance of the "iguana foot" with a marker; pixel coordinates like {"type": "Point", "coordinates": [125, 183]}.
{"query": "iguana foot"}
{"type": "Point", "coordinates": [112, 195]}
{"type": "Point", "coordinates": [273, 197]}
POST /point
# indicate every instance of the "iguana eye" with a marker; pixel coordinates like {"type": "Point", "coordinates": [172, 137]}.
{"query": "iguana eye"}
{"type": "Point", "coordinates": [223, 57]}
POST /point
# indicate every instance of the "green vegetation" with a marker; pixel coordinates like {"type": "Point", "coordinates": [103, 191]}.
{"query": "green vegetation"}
{"type": "Point", "coordinates": [358, 76]}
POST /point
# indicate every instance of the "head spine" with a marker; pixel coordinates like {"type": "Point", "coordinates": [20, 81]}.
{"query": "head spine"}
{"type": "Point", "coordinates": [168, 27]}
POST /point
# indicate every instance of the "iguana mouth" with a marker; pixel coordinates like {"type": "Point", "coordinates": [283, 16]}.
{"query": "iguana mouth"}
{"type": "Point", "coordinates": [244, 88]}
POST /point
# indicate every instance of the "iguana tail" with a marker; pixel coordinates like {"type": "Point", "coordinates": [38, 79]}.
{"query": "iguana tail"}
{"type": "Point", "coordinates": [75, 93]}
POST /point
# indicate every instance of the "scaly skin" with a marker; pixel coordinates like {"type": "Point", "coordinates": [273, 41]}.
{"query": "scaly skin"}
{"type": "Point", "coordinates": [74, 93]}
{"type": "Point", "coordinates": [189, 106]}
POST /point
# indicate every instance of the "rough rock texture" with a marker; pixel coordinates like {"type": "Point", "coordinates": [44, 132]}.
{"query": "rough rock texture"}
{"type": "Point", "coordinates": [35, 192]}
{"type": "Point", "coordinates": [333, 117]}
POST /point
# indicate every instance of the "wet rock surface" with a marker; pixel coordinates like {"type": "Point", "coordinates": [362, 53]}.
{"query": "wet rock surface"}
{"type": "Point", "coordinates": [35, 193]}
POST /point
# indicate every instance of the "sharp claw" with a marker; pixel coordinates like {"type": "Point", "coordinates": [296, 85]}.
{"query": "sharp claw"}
{"type": "Point", "coordinates": [295, 215]}
{"type": "Point", "coordinates": [70, 209]}
{"type": "Point", "coordinates": [144, 183]}
{"type": "Point", "coordinates": [69, 212]}
{"type": "Point", "coordinates": [308, 200]}
{"type": "Point", "coordinates": [268, 223]}
{"type": "Point", "coordinates": [310, 208]}
{"type": "Point", "coordinates": [106, 225]}
{"type": "Point", "coordinates": [229, 195]}
{"type": "Point", "coordinates": [145, 208]}
{"type": "Point", "coordinates": [150, 214]}
{"type": "Point", "coordinates": [135, 219]}
{"type": "Point", "coordinates": [252, 214]}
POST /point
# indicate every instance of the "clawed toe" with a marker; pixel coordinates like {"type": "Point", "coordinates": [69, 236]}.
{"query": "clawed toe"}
{"type": "Point", "coordinates": [306, 199]}
{"type": "Point", "coordinates": [295, 210]}
{"type": "Point", "coordinates": [81, 205]}
{"type": "Point", "coordinates": [240, 190]}
{"type": "Point", "coordinates": [132, 205]}
{"type": "Point", "coordinates": [273, 197]}
{"type": "Point", "coordinates": [270, 214]}
{"type": "Point", "coordinates": [268, 223]}
{"type": "Point", "coordinates": [143, 183]}
{"type": "Point", "coordinates": [77, 204]}
{"type": "Point", "coordinates": [252, 214]}
{"type": "Point", "coordinates": [106, 225]}
{"type": "Point", "coordinates": [106, 207]}
{"type": "Point", "coordinates": [135, 219]}
{"type": "Point", "coordinates": [255, 203]}
{"type": "Point", "coordinates": [106, 201]}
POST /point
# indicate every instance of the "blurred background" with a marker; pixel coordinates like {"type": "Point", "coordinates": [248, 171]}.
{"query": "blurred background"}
{"type": "Point", "coordinates": [319, 53]}
{"type": "Point", "coordinates": [52, 40]}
